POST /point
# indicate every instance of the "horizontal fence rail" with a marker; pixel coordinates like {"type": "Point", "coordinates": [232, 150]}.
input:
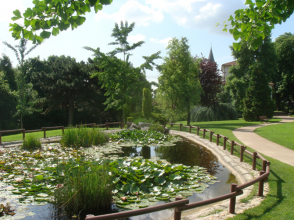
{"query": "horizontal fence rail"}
{"type": "Point", "coordinates": [45, 129]}
{"type": "Point", "coordinates": [235, 190]}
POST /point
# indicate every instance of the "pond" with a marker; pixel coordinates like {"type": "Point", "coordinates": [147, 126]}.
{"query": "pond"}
{"type": "Point", "coordinates": [183, 152]}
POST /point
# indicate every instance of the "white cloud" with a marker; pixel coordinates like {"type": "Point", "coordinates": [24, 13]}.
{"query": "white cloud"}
{"type": "Point", "coordinates": [203, 14]}
{"type": "Point", "coordinates": [164, 41]}
{"type": "Point", "coordinates": [133, 11]}
{"type": "Point", "coordinates": [136, 38]}
{"type": "Point", "coordinates": [7, 7]}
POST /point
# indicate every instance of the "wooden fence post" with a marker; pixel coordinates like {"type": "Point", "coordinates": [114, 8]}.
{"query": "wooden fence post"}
{"type": "Point", "coordinates": [198, 129]}
{"type": "Point", "coordinates": [260, 186]}
{"type": "Point", "coordinates": [23, 134]}
{"type": "Point", "coordinates": [177, 214]}
{"type": "Point", "coordinates": [106, 126]}
{"type": "Point", "coordinates": [232, 147]}
{"type": "Point", "coordinates": [180, 127]}
{"type": "Point", "coordinates": [233, 200]}
{"type": "Point", "coordinates": [190, 128]}
{"type": "Point", "coordinates": [242, 153]}
{"type": "Point", "coordinates": [44, 132]}
{"type": "Point", "coordinates": [225, 143]}
{"type": "Point", "coordinates": [217, 139]}
{"type": "Point", "coordinates": [63, 130]}
{"type": "Point", "coordinates": [264, 165]}
{"type": "Point", "coordinates": [211, 133]}
{"type": "Point", "coordinates": [254, 160]}
{"type": "Point", "coordinates": [204, 130]}
{"type": "Point", "coordinates": [121, 125]}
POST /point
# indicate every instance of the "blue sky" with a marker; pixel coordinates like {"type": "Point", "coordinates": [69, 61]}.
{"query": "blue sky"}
{"type": "Point", "coordinates": [157, 21]}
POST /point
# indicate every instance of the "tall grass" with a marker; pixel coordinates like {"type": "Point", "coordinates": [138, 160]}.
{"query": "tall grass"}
{"type": "Point", "coordinates": [87, 187]}
{"type": "Point", "coordinates": [83, 137]}
{"type": "Point", "coordinates": [31, 143]}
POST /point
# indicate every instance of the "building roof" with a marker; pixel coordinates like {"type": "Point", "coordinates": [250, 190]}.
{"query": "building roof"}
{"type": "Point", "coordinates": [230, 63]}
{"type": "Point", "coordinates": [210, 57]}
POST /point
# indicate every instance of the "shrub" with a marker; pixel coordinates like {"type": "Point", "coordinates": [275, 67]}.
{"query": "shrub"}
{"type": "Point", "coordinates": [217, 112]}
{"type": "Point", "coordinates": [142, 119]}
{"type": "Point", "coordinates": [83, 137]}
{"type": "Point", "coordinates": [157, 117]}
{"type": "Point", "coordinates": [31, 143]}
{"type": "Point", "coordinates": [146, 103]}
{"type": "Point", "coordinates": [156, 127]}
{"type": "Point", "coordinates": [130, 119]}
{"type": "Point", "coordinates": [87, 187]}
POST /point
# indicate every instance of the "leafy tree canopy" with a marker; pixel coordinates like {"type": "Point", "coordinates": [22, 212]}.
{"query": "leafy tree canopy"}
{"type": "Point", "coordinates": [51, 16]}
{"type": "Point", "coordinates": [256, 21]}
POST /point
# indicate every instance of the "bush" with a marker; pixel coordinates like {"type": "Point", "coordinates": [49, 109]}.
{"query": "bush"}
{"type": "Point", "coordinates": [31, 143]}
{"type": "Point", "coordinates": [86, 187]}
{"type": "Point", "coordinates": [159, 118]}
{"type": "Point", "coordinates": [156, 127]}
{"type": "Point", "coordinates": [83, 137]}
{"type": "Point", "coordinates": [142, 119]}
{"type": "Point", "coordinates": [217, 112]}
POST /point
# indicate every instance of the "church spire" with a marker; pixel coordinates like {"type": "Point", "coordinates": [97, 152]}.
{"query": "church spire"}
{"type": "Point", "coordinates": [210, 57]}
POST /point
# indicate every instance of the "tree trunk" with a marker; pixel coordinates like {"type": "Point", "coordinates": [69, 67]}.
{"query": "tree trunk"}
{"type": "Point", "coordinates": [70, 111]}
{"type": "Point", "coordinates": [188, 118]}
{"type": "Point", "coordinates": [21, 125]}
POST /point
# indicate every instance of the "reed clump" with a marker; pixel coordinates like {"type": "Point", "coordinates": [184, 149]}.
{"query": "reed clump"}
{"type": "Point", "coordinates": [31, 143]}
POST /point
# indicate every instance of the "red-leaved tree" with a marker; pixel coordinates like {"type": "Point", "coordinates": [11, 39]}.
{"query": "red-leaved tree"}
{"type": "Point", "coordinates": [211, 82]}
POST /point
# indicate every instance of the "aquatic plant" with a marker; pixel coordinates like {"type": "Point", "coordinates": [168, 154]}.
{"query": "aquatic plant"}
{"type": "Point", "coordinates": [31, 143]}
{"type": "Point", "coordinates": [85, 186]}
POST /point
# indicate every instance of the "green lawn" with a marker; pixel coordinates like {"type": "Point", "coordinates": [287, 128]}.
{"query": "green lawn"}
{"type": "Point", "coordinates": [279, 203]}
{"type": "Point", "coordinates": [281, 134]}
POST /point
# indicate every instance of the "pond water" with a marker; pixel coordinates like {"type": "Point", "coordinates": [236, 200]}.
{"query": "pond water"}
{"type": "Point", "coordinates": [184, 152]}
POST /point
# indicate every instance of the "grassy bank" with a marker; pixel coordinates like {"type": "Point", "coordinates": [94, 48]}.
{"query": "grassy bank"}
{"type": "Point", "coordinates": [281, 134]}
{"type": "Point", "coordinates": [279, 202]}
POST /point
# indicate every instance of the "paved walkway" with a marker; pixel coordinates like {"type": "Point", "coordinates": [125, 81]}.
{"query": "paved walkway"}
{"type": "Point", "coordinates": [264, 146]}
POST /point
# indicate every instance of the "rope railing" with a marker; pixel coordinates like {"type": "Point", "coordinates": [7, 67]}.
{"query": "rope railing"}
{"type": "Point", "coordinates": [235, 189]}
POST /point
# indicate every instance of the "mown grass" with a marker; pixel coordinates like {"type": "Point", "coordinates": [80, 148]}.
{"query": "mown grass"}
{"type": "Point", "coordinates": [281, 134]}
{"type": "Point", "coordinates": [279, 202]}
{"type": "Point", "coordinates": [40, 134]}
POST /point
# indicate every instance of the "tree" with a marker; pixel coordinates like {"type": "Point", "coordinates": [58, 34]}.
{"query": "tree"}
{"type": "Point", "coordinates": [238, 81]}
{"type": "Point", "coordinates": [179, 90]}
{"type": "Point", "coordinates": [258, 96]}
{"type": "Point", "coordinates": [26, 96]}
{"type": "Point", "coordinates": [52, 16]}
{"type": "Point", "coordinates": [255, 22]}
{"type": "Point", "coordinates": [7, 104]}
{"type": "Point", "coordinates": [9, 72]}
{"type": "Point", "coordinates": [210, 82]}
{"type": "Point", "coordinates": [146, 103]}
{"type": "Point", "coordinates": [118, 77]}
{"type": "Point", "coordinates": [284, 79]}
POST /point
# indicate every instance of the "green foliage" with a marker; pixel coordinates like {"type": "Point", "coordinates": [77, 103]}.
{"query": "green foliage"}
{"type": "Point", "coordinates": [7, 104]}
{"type": "Point", "coordinates": [130, 119]}
{"type": "Point", "coordinates": [31, 143]}
{"type": "Point", "coordinates": [258, 100]}
{"type": "Point", "coordinates": [9, 72]}
{"type": "Point", "coordinates": [159, 118]}
{"type": "Point", "coordinates": [156, 127]}
{"type": "Point", "coordinates": [83, 137]}
{"type": "Point", "coordinates": [179, 87]}
{"type": "Point", "coordinates": [86, 187]}
{"type": "Point", "coordinates": [255, 22]}
{"type": "Point", "coordinates": [147, 103]}
{"type": "Point", "coordinates": [55, 15]}
{"type": "Point", "coordinates": [238, 81]}
{"type": "Point", "coordinates": [217, 112]}
{"type": "Point", "coordinates": [142, 119]}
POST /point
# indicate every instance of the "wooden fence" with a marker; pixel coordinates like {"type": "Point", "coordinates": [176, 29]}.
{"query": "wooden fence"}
{"type": "Point", "coordinates": [44, 129]}
{"type": "Point", "coordinates": [182, 204]}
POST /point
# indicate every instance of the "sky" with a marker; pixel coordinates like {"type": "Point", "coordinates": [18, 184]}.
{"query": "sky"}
{"type": "Point", "coordinates": [156, 22]}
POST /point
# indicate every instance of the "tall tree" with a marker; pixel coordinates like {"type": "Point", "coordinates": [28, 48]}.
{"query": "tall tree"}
{"type": "Point", "coordinates": [118, 77]}
{"type": "Point", "coordinates": [211, 82]}
{"type": "Point", "coordinates": [26, 96]}
{"type": "Point", "coordinates": [9, 72]}
{"type": "Point", "coordinates": [179, 89]}
{"type": "Point", "coordinates": [58, 15]}
{"type": "Point", "coordinates": [146, 103]}
{"type": "Point", "coordinates": [7, 104]}
{"type": "Point", "coordinates": [284, 79]}
{"type": "Point", "coordinates": [238, 81]}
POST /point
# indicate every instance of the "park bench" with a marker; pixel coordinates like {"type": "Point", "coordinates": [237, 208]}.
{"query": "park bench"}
{"type": "Point", "coordinates": [263, 118]}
